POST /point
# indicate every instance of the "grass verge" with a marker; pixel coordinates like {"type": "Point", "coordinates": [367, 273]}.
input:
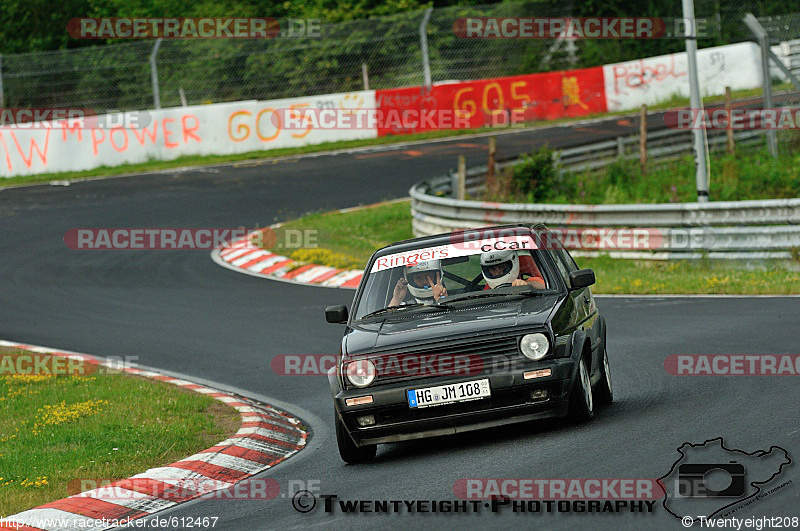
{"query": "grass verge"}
{"type": "Point", "coordinates": [356, 234]}
{"type": "Point", "coordinates": [204, 160]}
{"type": "Point", "coordinates": [749, 173]}
{"type": "Point", "coordinates": [59, 428]}
{"type": "Point", "coordinates": [348, 239]}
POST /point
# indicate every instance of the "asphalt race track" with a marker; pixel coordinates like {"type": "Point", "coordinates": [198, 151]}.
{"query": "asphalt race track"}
{"type": "Point", "coordinates": [179, 311]}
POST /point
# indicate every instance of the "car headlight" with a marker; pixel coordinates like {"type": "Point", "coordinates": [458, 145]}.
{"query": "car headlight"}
{"type": "Point", "coordinates": [360, 373]}
{"type": "Point", "coordinates": [534, 346]}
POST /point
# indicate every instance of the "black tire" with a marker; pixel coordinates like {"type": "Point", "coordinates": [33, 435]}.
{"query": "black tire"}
{"type": "Point", "coordinates": [581, 401]}
{"type": "Point", "coordinates": [604, 392]}
{"type": "Point", "coordinates": [348, 450]}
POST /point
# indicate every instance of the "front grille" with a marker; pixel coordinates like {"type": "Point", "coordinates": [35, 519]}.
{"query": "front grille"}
{"type": "Point", "coordinates": [492, 351]}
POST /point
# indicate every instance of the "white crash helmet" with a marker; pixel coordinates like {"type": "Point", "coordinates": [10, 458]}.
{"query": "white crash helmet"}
{"type": "Point", "coordinates": [509, 260]}
{"type": "Point", "coordinates": [423, 268]}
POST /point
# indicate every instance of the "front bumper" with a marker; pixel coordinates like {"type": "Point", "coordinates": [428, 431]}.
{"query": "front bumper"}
{"type": "Point", "coordinates": [509, 402]}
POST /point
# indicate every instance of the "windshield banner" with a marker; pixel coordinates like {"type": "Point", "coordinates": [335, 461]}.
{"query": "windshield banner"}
{"type": "Point", "coordinates": [453, 250]}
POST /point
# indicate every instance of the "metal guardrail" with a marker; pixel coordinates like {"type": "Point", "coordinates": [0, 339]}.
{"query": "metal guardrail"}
{"type": "Point", "coordinates": [725, 229]}
{"type": "Point", "coordinates": [661, 145]}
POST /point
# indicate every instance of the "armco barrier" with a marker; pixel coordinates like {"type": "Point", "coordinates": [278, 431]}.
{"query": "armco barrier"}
{"type": "Point", "coordinates": [664, 144]}
{"type": "Point", "coordinates": [730, 229]}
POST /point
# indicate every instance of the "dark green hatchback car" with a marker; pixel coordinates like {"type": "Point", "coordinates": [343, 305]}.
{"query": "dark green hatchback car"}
{"type": "Point", "coordinates": [465, 331]}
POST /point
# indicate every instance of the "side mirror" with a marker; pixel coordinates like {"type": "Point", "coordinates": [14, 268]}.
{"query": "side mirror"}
{"type": "Point", "coordinates": [336, 314]}
{"type": "Point", "coordinates": [582, 278]}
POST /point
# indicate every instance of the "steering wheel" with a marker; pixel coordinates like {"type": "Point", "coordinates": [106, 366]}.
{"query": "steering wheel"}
{"type": "Point", "coordinates": [503, 285]}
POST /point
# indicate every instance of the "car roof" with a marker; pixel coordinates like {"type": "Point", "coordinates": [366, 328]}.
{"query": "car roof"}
{"type": "Point", "coordinates": [440, 239]}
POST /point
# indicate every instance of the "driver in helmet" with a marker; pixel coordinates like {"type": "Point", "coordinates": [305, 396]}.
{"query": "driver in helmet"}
{"type": "Point", "coordinates": [423, 280]}
{"type": "Point", "coordinates": [504, 267]}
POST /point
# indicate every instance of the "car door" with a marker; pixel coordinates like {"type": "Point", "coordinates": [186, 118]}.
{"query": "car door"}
{"type": "Point", "coordinates": [585, 308]}
{"type": "Point", "coordinates": [571, 314]}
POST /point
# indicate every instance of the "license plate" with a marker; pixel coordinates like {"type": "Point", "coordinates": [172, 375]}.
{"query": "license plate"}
{"type": "Point", "coordinates": [447, 394]}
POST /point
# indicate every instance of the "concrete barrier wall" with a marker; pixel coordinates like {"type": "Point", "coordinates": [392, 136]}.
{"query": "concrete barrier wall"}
{"type": "Point", "coordinates": [245, 126]}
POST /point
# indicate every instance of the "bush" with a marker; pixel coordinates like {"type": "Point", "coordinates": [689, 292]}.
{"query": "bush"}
{"type": "Point", "coordinates": [536, 176]}
{"type": "Point", "coordinates": [747, 174]}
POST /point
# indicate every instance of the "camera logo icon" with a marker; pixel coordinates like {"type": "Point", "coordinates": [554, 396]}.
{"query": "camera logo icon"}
{"type": "Point", "coordinates": [711, 480]}
{"type": "Point", "coordinates": [707, 479]}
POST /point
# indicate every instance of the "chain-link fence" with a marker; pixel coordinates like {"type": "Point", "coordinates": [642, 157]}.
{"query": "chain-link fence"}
{"type": "Point", "coordinates": [382, 52]}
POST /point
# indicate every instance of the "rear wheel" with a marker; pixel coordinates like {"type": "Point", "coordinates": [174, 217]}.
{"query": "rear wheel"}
{"type": "Point", "coordinates": [604, 392]}
{"type": "Point", "coordinates": [581, 402]}
{"type": "Point", "coordinates": [348, 450]}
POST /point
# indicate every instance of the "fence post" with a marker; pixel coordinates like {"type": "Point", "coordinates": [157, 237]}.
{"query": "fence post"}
{"type": "Point", "coordinates": [620, 147]}
{"type": "Point", "coordinates": [643, 139]}
{"type": "Point", "coordinates": [154, 74]}
{"type": "Point", "coordinates": [423, 44]}
{"type": "Point", "coordinates": [462, 177]}
{"type": "Point", "coordinates": [490, 165]}
{"type": "Point", "coordinates": [698, 135]}
{"type": "Point", "coordinates": [728, 107]}
{"type": "Point", "coordinates": [182, 94]}
{"type": "Point", "coordinates": [2, 94]}
{"type": "Point", "coordinates": [763, 42]}
{"type": "Point", "coordinates": [365, 75]}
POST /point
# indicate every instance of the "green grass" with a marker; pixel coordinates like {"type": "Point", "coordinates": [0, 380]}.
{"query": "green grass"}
{"type": "Point", "coordinates": [692, 276]}
{"type": "Point", "coordinates": [347, 240]}
{"type": "Point", "coordinates": [59, 428]}
{"type": "Point", "coordinates": [747, 174]}
{"type": "Point", "coordinates": [204, 160]}
{"type": "Point", "coordinates": [359, 233]}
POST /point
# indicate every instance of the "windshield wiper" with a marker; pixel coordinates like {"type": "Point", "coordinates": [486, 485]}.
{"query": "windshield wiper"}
{"type": "Point", "coordinates": [416, 305]}
{"type": "Point", "coordinates": [496, 294]}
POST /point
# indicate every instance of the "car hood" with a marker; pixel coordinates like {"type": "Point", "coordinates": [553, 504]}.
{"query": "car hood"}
{"type": "Point", "coordinates": [419, 327]}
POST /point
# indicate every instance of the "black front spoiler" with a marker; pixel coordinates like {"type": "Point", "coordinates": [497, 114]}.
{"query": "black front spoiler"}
{"type": "Point", "coordinates": [459, 423]}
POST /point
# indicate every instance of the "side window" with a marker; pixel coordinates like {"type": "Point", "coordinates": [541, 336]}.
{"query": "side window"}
{"type": "Point", "coordinates": [561, 267]}
{"type": "Point", "coordinates": [569, 263]}
{"type": "Point", "coordinates": [561, 257]}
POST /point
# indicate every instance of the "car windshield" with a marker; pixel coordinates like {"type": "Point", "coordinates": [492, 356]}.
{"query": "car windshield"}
{"type": "Point", "coordinates": [431, 277]}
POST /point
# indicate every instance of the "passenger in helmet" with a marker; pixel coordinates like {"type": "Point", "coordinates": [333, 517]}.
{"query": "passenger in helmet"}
{"type": "Point", "coordinates": [503, 267]}
{"type": "Point", "coordinates": [423, 280]}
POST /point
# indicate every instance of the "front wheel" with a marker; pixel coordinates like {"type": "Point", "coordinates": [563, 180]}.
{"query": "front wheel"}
{"type": "Point", "coordinates": [604, 391]}
{"type": "Point", "coordinates": [581, 401]}
{"type": "Point", "coordinates": [348, 450]}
